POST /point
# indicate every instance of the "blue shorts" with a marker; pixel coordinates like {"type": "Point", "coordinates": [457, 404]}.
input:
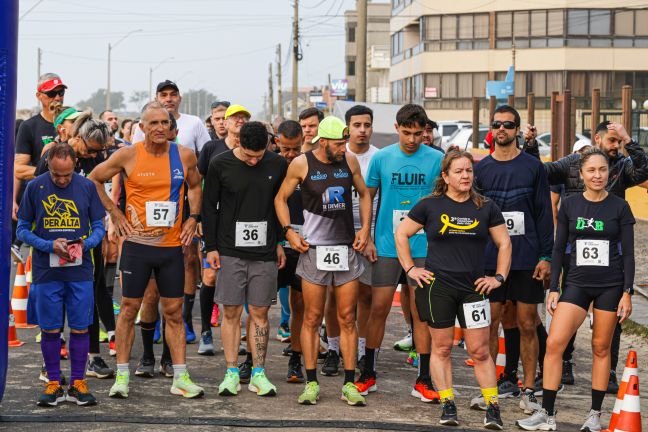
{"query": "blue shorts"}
{"type": "Point", "coordinates": [78, 298]}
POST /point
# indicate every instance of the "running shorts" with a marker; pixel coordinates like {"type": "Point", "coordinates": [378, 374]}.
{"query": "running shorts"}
{"type": "Point", "coordinates": [439, 304]}
{"type": "Point", "coordinates": [604, 298]}
{"type": "Point", "coordinates": [518, 287]}
{"type": "Point", "coordinates": [307, 269]}
{"type": "Point", "coordinates": [387, 272]}
{"type": "Point", "coordinates": [138, 262]}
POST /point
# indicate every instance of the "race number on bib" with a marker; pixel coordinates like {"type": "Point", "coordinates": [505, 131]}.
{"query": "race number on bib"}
{"type": "Point", "coordinates": [333, 258]}
{"type": "Point", "coordinates": [477, 314]}
{"type": "Point", "coordinates": [251, 234]}
{"type": "Point", "coordinates": [514, 222]}
{"type": "Point", "coordinates": [160, 213]}
{"type": "Point", "coordinates": [593, 253]}
{"type": "Point", "coordinates": [397, 218]}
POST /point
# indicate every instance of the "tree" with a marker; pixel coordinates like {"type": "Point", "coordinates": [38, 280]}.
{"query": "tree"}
{"type": "Point", "coordinates": [97, 101]}
{"type": "Point", "coordinates": [197, 102]}
{"type": "Point", "coordinates": [139, 98]}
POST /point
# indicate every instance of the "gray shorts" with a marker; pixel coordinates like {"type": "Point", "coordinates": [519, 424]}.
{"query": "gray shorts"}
{"type": "Point", "coordinates": [365, 278]}
{"type": "Point", "coordinates": [307, 269]}
{"type": "Point", "coordinates": [243, 281]}
{"type": "Point", "coordinates": [388, 272]}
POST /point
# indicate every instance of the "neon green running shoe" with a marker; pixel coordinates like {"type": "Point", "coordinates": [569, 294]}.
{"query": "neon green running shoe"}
{"type": "Point", "coordinates": [231, 385]}
{"type": "Point", "coordinates": [261, 385]}
{"type": "Point", "coordinates": [184, 387]}
{"type": "Point", "coordinates": [120, 388]}
{"type": "Point", "coordinates": [310, 396]}
{"type": "Point", "coordinates": [352, 396]}
{"type": "Point", "coordinates": [103, 336]}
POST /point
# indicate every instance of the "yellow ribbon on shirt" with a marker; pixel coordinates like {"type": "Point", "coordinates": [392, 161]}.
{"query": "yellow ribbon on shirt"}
{"type": "Point", "coordinates": [446, 223]}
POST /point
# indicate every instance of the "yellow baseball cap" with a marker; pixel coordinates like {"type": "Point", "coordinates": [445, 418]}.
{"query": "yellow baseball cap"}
{"type": "Point", "coordinates": [235, 109]}
{"type": "Point", "coordinates": [332, 128]}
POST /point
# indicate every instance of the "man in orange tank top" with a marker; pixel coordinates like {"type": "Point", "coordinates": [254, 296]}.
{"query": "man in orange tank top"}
{"type": "Point", "coordinates": [155, 171]}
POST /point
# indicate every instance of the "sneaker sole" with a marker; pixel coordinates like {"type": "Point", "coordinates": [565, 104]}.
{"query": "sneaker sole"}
{"type": "Point", "coordinates": [536, 428]}
{"type": "Point", "coordinates": [185, 394]}
{"type": "Point", "coordinates": [256, 390]}
{"type": "Point", "coordinates": [51, 404]}
{"type": "Point", "coordinates": [330, 374]}
{"type": "Point", "coordinates": [146, 374]}
{"type": "Point", "coordinates": [560, 389]}
{"type": "Point", "coordinates": [80, 403]}
{"type": "Point", "coordinates": [98, 375]}
{"type": "Point", "coordinates": [527, 410]}
{"type": "Point", "coordinates": [118, 395]}
{"type": "Point", "coordinates": [422, 398]}
{"type": "Point", "coordinates": [373, 388]}
{"type": "Point", "coordinates": [227, 392]}
{"type": "Point", "coordinates": [207, 352]}
{"type": "Point", "coordinates": [509, 395]}
{"type": "Point", "coordinates": [351, 403]}
{"type": "Point", "coordinates": [295, 379]}
{"type": "Point", "coordinates": [450, 422]}
{"type": "Point", "coordinates": [244, 380]}
{"type": "Point", "coordinates": [402, 348]}
{"type": "Point", "coordinates": [478, 407]}
{"type": "Point", "coordinates": [492, 425]}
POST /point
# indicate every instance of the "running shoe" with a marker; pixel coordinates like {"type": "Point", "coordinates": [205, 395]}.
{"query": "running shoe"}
{"type": "Point", "coordinates": [145, 368]}
{"type": "Point", "coordinates": [295, 374]}
{"type": "Point", "coordinates": [424, 390]}
{"type": "Point", "coordinates": [186, 388]}
{"type": "Point", "coordinates": [310, 395]}
{"type": "Point", "coordinates": [539, 421]}
{"type": "Point", "coordinates": [287, 351]}
{"type": "Point", "coordinates": [157, 333]}
{"type": "Point", "coordinates": [16, 255]}
{"type": "Point", "coordinates": [405, 344]}
{"type": "Point", "coordinates": [64, 352]}
{"type": "Point", "coordinates": [283, 332]}
{"type": "Point", "coordinates": [352, 396]}
{"type": "Point", "coordinates": [449, 414]}
{"type": "Point", "coordinates": [103, 336]}
{"type": "Point", "coordinates": [190, 335]}
{"type": "Point", "coordinates": [138, 317]}
{"type": "Point", "coordinates": [613, 385]}
{"type": "Point", "coordinates": [79, 394]}
{"type": "Point", "coordinates": [215, 316]}
{"type": "Point", "coordinates": [412, 359]}
{"type": "Point", "coordinates": [366, 384]}
{"type": "Point", "coordinates": [567, 373]}
{"type": "Point", "coordinates": [44, 377]}
{"type": "Point", "coordinates": [231, 385]}
{"type": "Point", "coordinates": [245, 371]}
{"type": "Point", "coordinates": [261, 385]}
{"type": "Point", "coordinates": [592, 422]}
{"type": "Point", "coordinates": [331, 366]}
{"type": "Point", "coordinates": [98, 368]}
{"type": "Point", "coordinates": [112, 346]}
{"type": "Point", "coordinates": [242, 349]}
{"type": "Point", "coordinates": [120, 388]}
{"type": "Point", "coordinates": [528, 402]}
{"type": "Point", "coordinates": [116, 307]}
{"type": "Point", "coordinates": [493, 419]}
{"type": "Point", "coordinates": [538, 386]}
{"type": "Point", "coordinates": [206, 346]}
{"type": "Point", "coordinates": [477, 403]}
{"type": "Point", "coordinates": [52, 395]}
{"type": "Point", "coordinates": [507, 387]}
{"type": "Point", "coordinates": [166, 368]}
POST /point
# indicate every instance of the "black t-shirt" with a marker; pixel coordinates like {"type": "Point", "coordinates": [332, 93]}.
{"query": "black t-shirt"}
{"type": "Point", "coordinates": [33, 134]}
{"type": "Point", "coordinates": [600, 238]}
{"type": "Point", "coordinates": [236, 192]}
{"type": "Point", "coordinates": [210, 150]}
{"type": "Point", "coordinates": [457, 234]}
{"type": "Point", "coordinates": [296, 210]}
{"type": "Point", "coordinates": [84, 166]}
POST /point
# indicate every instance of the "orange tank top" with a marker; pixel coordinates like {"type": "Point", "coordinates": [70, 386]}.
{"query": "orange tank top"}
{"type": "Point", "coordinates": [155, 197]}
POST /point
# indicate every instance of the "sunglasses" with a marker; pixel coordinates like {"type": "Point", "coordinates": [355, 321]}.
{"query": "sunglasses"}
{"type": "Point", "coordinates": [216, 104]}
{"type": "Point", "coordinates": [53, 93]}
{"type": "Point", "coordinates": [506, 124]}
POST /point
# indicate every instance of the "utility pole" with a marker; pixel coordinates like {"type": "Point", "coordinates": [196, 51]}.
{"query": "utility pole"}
{"type": "Point", "coordinates": [296, 57]}
{"type": "Point", "coordinates": [40, 63]}
{"type": "Point", "coordinates": [279, 93]}
{"type": "Point", "coordinates": [361, 52]}
{"type": "Point", "coordinates": [151, 69]}
{"type": "Point", "coordinates": [270, 94]}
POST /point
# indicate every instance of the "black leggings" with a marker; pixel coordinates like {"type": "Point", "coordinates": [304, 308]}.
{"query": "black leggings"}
{"type": "Point", "coordinates": [103, 306]}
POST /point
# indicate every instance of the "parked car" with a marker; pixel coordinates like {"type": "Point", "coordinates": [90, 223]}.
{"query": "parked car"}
{"type": "Point", "coordinates": [449, 127]}
{"type": "Point", "coordinates": [544, 142]}
{"type": "Point", "coordinates": [463, 138]}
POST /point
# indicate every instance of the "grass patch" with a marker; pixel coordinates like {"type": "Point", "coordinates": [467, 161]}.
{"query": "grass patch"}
{"type": "Point", "coordinates": [631, 327]}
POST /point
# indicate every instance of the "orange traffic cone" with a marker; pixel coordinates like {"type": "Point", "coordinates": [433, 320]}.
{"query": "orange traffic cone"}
{"type": "Point", "coordinates": [396, 300]}
{"type": "Point", "coordinates": [458, 334]}
{"type": "Point", "coordinates": [19, 298]}
{"type": "Point", "coordinates": [629, 370]}
{"type": "Point", "coordinates": [28, 271]}
{"type": "Point", "coordinates": [630, 417]}
{"type": "Point", "coordinates": [13, 337]}
{"type": "Point", "coordinates": [500, 362]}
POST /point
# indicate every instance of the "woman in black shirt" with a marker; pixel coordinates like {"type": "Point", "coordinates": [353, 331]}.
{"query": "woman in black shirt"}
{"type": "Point", "coordinates": [458, 223]}
{"type": "Point", "coordinates": [598, 229]}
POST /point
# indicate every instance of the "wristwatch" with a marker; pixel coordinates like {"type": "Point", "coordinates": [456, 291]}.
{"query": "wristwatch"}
{"type": "Point", "coordinates": [286, 228]}
{"type": "Point", "coordinates": [499, 278]}
{"type": "Point", "coordinates": [629, 290]}
{"type": "Point", "coordinates": [196, 216]}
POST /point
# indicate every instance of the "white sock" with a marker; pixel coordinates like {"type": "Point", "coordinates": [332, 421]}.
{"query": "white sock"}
{"type": "Point", "coordinates": [362, 343]}
{"type": "Point", "coordinates": [334, 344]}
{"type": "Point", "coordinates": [179, 369]}
{"type": "Point", "coordinates": [123, 367]}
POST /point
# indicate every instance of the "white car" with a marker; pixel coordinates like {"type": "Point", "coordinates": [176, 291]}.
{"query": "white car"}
{"type": "Point", "coordinates": [463, 138]}
{"type": "Point", "coordinates": [544, 142]}
{"type": "Point", "coordinates": [449, 127]}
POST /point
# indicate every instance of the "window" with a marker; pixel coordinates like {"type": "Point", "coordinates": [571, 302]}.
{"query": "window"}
{"type": "Point", "coordinates": [539, 23]}
{"type": "Point", "coordinates": [464, 81]}
{"type": "Point", "coordinates": [576, 83]}
{"type": "Point", "coordinates": [465, 26]}
{"type": "Point", "coordinates": [624, 23]}
{"type": "Point", "coordinates": [433, 28]}
{"type": "Point", "coordinates": [481, 26]}
{"type": "Point", "coordinates": [556, 25]}
{"type": "Point", "coordinates": [641, 22]}
{"type": "Point", "coordinates": [479, 83]}
{"type": "Point", "coordinates": [577, 21]}
{"type": "Point", "coordinates": [449, 86]}
{"type": "Point", "coordinates": [600, 22]}
{"type": "Point", "coordinates": [554, 82]}
{"type": "Point", "coordinates": [539, 83]}
{"type": "Point", "coordinates": [351, 68]}
{"type": "Point", "coordinates": [397, 43]}
{"type": "Point", "coordinates": [449, 27]}
{"type": "Point", "coordinates": [504, 23]}
{"type": "Point", "coordinates": [351, 34]}
{"type": "Point", "coordinates": [521, 24]}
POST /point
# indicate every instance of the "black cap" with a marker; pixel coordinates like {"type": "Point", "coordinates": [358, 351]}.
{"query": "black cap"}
{"type": "Point", "coordinates": [166, 84]}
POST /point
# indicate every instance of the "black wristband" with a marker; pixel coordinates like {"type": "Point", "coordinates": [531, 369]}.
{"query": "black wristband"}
{"type": "Point", "coordinates": [196, 216]}
{"type": "Point", "coordinates": [408, 270]}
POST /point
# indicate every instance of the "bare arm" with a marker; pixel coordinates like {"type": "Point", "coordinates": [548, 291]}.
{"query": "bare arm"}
{"type": "Point", "coordinates": [296, 172]}
{"type": "Point", "coordinates": [407, 229]}
{"type": "Point", "coordinates": [22, 169]}
{"type": "Point", "coordinates": [362, 236]}
{"type": "Point", "coordinates": [194, 195]}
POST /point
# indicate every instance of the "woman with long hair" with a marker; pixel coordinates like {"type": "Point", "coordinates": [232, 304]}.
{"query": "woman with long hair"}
{"type": "Point", "coordinates": [458, 223]}
{"type": "Point", "coordinates": [598, 227]}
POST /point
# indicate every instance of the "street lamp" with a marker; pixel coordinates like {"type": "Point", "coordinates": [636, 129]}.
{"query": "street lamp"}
{"type": "Point", "coordinates": [151, 76]}
{"type": "Point", "coordinates": [110, 47]}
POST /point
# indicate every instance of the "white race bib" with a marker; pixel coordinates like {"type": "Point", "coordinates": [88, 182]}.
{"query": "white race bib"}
{"type": "Point", "coordinates": [593, 253]}
{"type": "Point", "coordinates": [333, 258]}
{"type": "Point", "coordinates": [297, 229]}
{"type": "Point", "coordinates": [477, 314]}
{"type": "Point", "coordinates": [397, 218]}
{"type": "Point", "coordinates": [251, 234]}
{"type": "Point", "coordinates": [160, 213]}
{"type": "Point", "coordinates": [514, 222]}
{"type": "Point", "coordinates": [55, 261]}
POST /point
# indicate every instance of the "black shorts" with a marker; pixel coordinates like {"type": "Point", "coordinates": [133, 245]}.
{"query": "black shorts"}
{"type": "Point", "coordinates": [518, 287]}
{"type": "Point", "coordinates": [604, 298]}
{"type": "Point", "coordinates": [287, 276]}
{"type": "Point", "coordinates": [139, 261]}
{"type": "Point", "coordinates": [439, 304]}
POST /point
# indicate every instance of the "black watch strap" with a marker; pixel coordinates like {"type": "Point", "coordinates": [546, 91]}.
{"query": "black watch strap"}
{"type": "Point", "coordinates": [286, 228]}
{"type": "Point", "coordinates": [196, 216]}
{"type": "Point", "coordinates": [499, 278]}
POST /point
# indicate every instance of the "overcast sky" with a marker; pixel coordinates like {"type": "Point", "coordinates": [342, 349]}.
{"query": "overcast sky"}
{"type": "Point", "coordinates": [223, 46]}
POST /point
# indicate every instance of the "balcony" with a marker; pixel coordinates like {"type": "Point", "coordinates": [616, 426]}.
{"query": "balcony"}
{"type": "Point", "coordinates": [378, 57]}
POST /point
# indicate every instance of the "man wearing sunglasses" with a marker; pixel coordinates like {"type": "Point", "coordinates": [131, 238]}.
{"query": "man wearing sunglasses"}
{"type": "Point", "coordinates": [517, 183]}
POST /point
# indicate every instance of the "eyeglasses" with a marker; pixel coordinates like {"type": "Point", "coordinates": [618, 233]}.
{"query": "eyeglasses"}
{"type": "Point", "coordinates": [53, 93]}
{"type": "Point", "coordinates": [216, 104]}
{"type": "Point", "coordinates": [507, 124]}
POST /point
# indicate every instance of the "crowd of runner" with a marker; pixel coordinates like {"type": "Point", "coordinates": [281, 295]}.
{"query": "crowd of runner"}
{"type": "Point", "coordinates": [312, 212]}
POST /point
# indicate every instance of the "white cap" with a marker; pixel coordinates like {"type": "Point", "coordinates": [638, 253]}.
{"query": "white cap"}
{"type": "Point", "coordinates": [581, 144]}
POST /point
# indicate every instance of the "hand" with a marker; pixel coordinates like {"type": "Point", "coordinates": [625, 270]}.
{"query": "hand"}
{"type": "Point", "coordinates": [360, 241]}
{"type": "Point", "coordinates": [552, 302]}
{"type": "Point", "coordinates": [213, 259]}
{"type": "Point", "coordinates": [199, 229]}
{"type": "Point", "coordinates": [421, 276]}
{"type": "Point", "coordinates": [625, 307]}
{"type": "Point", "coordinates": [453, 148]}
{"type": "Point", "coordinates": [14, 211]}
{"type": "Point", "coordinates": [370, 251]}
{"type": "Point", "coordinates": [620, 129]}
{"type": "Point", "coordinates": [542, 270]}
{"type": "Point", "coordinates": [296, 241]}
{"type": "Point", "coordinates": [61, 248]}
{"type": "Point", "coordinates": [188, 231]}
{"type": "Point", "coordinates": [281, 257]}
{"type": "Point", "coordinates": [122, 227]}
{"type": "Point", "coordinates": [530, 133]}
{"type": "Point", "coordinates": [112, 233]}
{"type": "Point", "coordinates": [486, 284]}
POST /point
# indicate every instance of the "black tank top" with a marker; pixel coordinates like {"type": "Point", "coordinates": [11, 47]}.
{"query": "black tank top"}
{"type": "Point", "coordinates": [327, 200]}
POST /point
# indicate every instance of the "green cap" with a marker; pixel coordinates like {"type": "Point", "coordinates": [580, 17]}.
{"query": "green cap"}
{"type": "Point", "coordinates": [68, 114]}
{"type": "Point", "coordinates": [332, 128]}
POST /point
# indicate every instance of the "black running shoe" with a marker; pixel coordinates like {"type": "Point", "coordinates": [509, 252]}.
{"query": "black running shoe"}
{"type": "Point", "coordinates": [287, 351]}
{"type": "Point", "coordinates": [613, 385]}
{"type": "Point", "coordinates": [567, 373]}
{"type": "Point", "coordinates": [145, 368]}
{"type": "Point", "coordinates": [493, 420]}
{"type": "Point", "coordinates": [52, 395]}
{"type": "Point", "coordinates": [295, 374]}
{"type": "Point", "coordinates": [331, 364]}
{"type": "Point", "coordinates": [449, 414]}
{"type": "Point", "coordinates": [245, 371]}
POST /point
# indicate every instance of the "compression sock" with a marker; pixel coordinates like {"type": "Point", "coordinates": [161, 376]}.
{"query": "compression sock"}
{"type": "Point", "coordinates": [490, 395]}
{"type": "Point", "coordinates": [148, 330]}
{"type": "Point", "coordinates": [311, 375]}
{"type": "Point", "coordinates": [446, 395]}
{"type": "Point", "coordinates": [206, 306]}
{"type": "Point", "coordinates": [334, 344]}
{"type": "Point", "coordinates": [79, 345]}
{"type": "Point", "coordinates": [597, 399]}
{"type": "Point", "coordinates": [512, 345]}
{"type": "Point", "coordinates": [424, 366]}
{"type": "Point", "coordinates": [284, 300]}
{"type": "Point", "coordinates": [370, 357]}
{"type": "Point", "coordinates": [349, 376]}
{"type": "Point", "coordinates": [549, 400]}
{"type": "Point", "coordinates": [187, 309]}
{"type": "Point", "coordinates": [51, 349]}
